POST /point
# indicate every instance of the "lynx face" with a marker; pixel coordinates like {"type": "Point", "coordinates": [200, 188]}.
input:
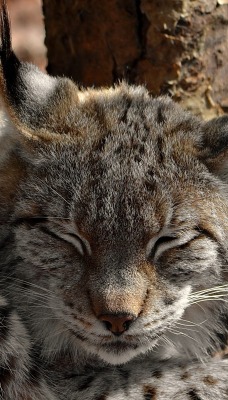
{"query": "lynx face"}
{"type": "Point", "coordinates": [122, 227]}
{"type": "Point", "coordinates": [117, 214]}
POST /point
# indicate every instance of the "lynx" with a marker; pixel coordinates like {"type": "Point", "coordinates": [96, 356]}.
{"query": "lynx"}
{"type": "Point", "coordinates": [113, 242]}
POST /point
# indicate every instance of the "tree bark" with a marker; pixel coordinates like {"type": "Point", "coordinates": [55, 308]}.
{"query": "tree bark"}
{"type": "Point", "coordinates": [175, 47]}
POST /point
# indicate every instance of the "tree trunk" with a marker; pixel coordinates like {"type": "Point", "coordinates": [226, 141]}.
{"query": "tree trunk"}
{"type": "Point", "coordinates": [179, 47]}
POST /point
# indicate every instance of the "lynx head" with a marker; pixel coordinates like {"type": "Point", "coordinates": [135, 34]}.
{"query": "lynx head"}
{"type": "Point", "coordinates": [114, 212]}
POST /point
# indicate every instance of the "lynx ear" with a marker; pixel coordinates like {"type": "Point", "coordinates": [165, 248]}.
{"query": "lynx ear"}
{"type": "Point", "coordinates": [35, 101]}
{"type": "Point", "coordinates": [215, 152]}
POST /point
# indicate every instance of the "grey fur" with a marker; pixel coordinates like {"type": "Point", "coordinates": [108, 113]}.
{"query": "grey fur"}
{"type": "Point", "coordinates": [112, 203]}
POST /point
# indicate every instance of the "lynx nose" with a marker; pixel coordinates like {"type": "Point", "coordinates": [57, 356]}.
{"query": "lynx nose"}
{"type": "Point", "coordinates": [117, 323]}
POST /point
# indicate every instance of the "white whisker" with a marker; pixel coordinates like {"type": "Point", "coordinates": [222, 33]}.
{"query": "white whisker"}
{"type": "Point", "coordinates": [178, 333]}
{"type": "Point", "coordinates": [191, 323]}
{"type": "Point", "coordinates": [58, 194]}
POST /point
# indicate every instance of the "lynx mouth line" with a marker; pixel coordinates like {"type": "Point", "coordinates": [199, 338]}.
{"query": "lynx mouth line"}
{"type": "Point", "coordinates": [119, 346]}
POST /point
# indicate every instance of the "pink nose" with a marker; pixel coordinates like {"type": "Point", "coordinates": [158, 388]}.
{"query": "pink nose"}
{"type": "Point", "coordinates": [117, 323]}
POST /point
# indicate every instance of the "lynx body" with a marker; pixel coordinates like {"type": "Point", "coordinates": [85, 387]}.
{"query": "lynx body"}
{"type": "Point", "coordinates": [113, 242]}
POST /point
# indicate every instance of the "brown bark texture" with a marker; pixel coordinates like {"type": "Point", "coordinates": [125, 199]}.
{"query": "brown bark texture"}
{"type": "Point", "coordinates": [179, 47]}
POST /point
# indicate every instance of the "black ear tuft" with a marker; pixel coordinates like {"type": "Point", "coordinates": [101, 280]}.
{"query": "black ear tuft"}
{"type": "Point", "coordinates": [9, 61]}
{"type": "Point", "coordinates": [6, 47]}
{"type": "Point", "coordinates": [10, 80]}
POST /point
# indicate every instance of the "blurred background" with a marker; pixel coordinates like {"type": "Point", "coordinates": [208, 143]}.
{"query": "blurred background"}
{"type": "Point", "coordinates": [28, 33]}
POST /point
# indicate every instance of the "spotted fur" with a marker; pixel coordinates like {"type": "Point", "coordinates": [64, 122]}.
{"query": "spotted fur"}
{"type": "Point", "coordinates": [113, 242]}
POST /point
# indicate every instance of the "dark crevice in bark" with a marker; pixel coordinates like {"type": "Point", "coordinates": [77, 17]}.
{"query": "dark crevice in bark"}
{"type": "Point", "coordinates": [142, 26]}
{"type": "Point", "coordinates": [115, 76]}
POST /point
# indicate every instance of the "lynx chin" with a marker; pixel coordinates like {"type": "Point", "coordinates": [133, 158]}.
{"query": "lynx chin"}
{"type": "Point", "coordinates": [113, 242]}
